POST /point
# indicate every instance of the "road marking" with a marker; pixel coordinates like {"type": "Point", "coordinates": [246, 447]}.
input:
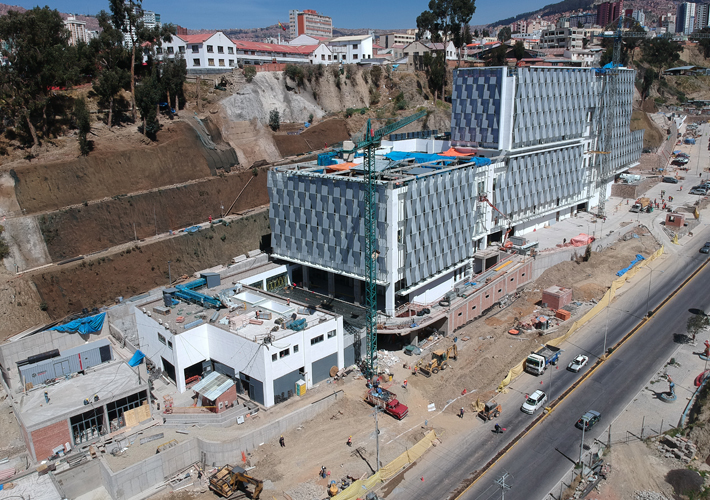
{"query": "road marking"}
{"type": "Point", "coordinates": [482, 472]}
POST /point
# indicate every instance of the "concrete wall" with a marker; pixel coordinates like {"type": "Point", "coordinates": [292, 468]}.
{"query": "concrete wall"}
{"type": "Point", "coordinates": [76, 481]}
{"type": "Point", "coordinates": [143, 475]}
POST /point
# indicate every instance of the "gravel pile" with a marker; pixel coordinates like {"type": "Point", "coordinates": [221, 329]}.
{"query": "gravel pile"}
{"type": "Point", "coordinates": [649, 495]}
{"type": "Point", "coordinates": [307, 491]}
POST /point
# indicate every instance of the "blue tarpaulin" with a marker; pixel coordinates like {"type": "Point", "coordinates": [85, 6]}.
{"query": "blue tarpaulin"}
{"type": "Point", "coordinates": [136, 359]}
{"type": "Point", "coordinates": [426, 157]}
{"type": "Point", "coordinates": [638, 259]}
{"type": "Point", "coordinates": [84, 325]}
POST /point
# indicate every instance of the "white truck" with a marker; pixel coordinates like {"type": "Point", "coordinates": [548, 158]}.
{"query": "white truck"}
{"type": "Point", "coordinates": [537, 362]}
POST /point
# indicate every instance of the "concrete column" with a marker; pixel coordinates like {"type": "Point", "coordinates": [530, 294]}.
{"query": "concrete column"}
{"type": "Point", "coordinates": [331, 284]}
{"type": "Point", "coordinates": [389, 299]}
{"type": "Point", "coordinates": [357, 291]}
{"type": "Point", "coordinates": [107, 424]}
{"type": "Point", "coordinates": [306, 277]}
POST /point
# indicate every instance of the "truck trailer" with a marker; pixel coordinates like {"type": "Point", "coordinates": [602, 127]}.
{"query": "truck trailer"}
{"type": "Point", "coordinates": [537, 362]}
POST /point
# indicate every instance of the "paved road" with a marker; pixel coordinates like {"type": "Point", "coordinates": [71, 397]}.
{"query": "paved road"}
{"type": "Point", "coordinates": [539, 460]}
{"type": "Point", "coordinates": [448, 467]}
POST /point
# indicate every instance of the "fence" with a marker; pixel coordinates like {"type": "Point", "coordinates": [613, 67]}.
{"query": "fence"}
{"type": "Point", "coordinates": [422, 134]}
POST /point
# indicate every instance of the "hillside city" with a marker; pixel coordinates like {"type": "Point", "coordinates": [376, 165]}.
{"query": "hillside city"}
{"type": "Point", "coordinates": [301, 262]}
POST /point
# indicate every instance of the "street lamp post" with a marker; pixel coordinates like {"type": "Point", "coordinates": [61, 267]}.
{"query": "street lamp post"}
{"type": "Point", "coordinates": [170, 276]}
{"type": "Point", "coordinates": [648, 296]}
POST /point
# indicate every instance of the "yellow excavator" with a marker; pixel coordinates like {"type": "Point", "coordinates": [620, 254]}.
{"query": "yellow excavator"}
{"type": "Point", "coordinates": [439, 361]}
{"type": "Point", "coordinates": [229, 481]}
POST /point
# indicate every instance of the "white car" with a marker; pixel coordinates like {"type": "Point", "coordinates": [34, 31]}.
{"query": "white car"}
{"type": "Point", "coordinates": [536, 400]}
{"type": "Point", "coordinates": [577, 363]}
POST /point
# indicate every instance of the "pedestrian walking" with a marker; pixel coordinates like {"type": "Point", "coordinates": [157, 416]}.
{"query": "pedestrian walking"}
{"type": "Point", "coordinates": [461, 412]}
{"type": "Point", "coordinates": [350, 441]}
{"type": "Point", "coordinates": [282, 442]}
{"type": "Point", "coordinates": [499, 429]}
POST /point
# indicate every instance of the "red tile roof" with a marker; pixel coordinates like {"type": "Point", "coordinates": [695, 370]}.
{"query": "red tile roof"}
{"type": "Point", "coordinates": [201, 38]}
{"type": "Point", "coordinates": [272, 47]}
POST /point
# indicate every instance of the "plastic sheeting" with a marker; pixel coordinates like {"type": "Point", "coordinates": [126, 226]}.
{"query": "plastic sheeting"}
{"type": "Point", "coordinates": [638, 259]}
{"type": "Point", "coordinates": [601, 305]}
{"type": "Point", "coordinates": [581, 240]}
{"type": "Point", "coordinates": [359, 489]}
{"type": "Point", "coordinates": [136, 359]}
{"type": "Point", "coordinates": [426, 157]}
{"type": "Point", "coordinates": [90, 324]}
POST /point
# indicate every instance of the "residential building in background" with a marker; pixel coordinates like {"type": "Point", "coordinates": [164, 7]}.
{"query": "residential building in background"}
{"type": "Point", "coordinates": [639, 16]}
{"type": "Point", "coordinates": [685, 18]}
{"type": "Point", "coordinates": [389, 40]}
{"type": "Point", "coordinates": [203, 53]}
{"type": "Point", "coordinates": [701, 16]}
{"type": "Point", "coordinates": [608, 12]}
{"type": "Point", "coordinates": [564, 38]}
{"type": "Point", "coordinates": [309, 22]}
{"type": "Point", "coordinates": [667, 22]}
{"type": "Point", "coordinates": [181, 30]}
{"type": "Point", "coordinates": [351, 49]}
{"type": "Point", "coordinates": [77, 31]}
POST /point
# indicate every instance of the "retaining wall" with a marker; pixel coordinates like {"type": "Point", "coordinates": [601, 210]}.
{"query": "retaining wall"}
{"type": "Point", "coordinates": [146, 474]}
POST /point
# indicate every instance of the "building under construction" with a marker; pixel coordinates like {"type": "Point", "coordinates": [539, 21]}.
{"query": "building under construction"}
{"type": "Point", "coordinates": [529, 147]}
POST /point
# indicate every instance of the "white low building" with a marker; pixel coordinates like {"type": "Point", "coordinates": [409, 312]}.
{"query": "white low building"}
{"type": "Point", "coordinates": [263, 342]}
{"type": "Point", "coordinates": [351, 49]}
{"type": "Point", "coordinates": [204, 53]}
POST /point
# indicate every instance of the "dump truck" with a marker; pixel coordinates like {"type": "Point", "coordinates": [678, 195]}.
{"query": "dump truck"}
{"type": "Point", "coordinates": [230, 481]}
{"type": "Point", "coordinates": [641, 205]}
{"type": "Point", "coordinates": [387, 401]}
{"type": "Point", "coordinates": [537, 362]}
{"type": "Point", "coordinates": [439, 361]}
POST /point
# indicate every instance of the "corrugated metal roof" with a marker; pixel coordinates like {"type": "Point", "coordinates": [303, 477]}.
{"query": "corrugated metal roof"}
{"type": "Point", "coordinates": [213, 385]}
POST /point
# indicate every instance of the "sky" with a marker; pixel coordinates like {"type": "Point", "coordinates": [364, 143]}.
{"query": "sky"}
{"type": "Point", "coordinates": [223, 14]}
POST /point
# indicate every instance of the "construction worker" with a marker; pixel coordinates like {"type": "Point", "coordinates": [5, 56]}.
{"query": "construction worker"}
{"type": "Point", "coordinates": [350, 441]}
{"type": "Point", "coordinates": [404, 384]}
{"type": "Point", "coordinates": [461, 412]}
{"type": "Point", "coordinates": [282, 442]}
{"type": "Point", "coordinates": [499, 429]}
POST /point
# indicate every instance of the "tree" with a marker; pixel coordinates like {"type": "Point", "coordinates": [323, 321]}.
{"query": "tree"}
{"type": "Point", "coordinates": [36, 51]}
{"type": "Point", "coordinates": [435, 67]}
{"type": "Point", "coordinates": [661, 52]}
{"type": "Point", "coordinates": [705, 43]}
{"type": "Point", "coordinates": [83, 124]}
{"type": "Point", "coordinates": [697, 323]}
{"type": "Point", "coordinates": [148, 95]}
{"type": "Point", "coordinates": [274, 120]}
{"type": "Point", "coordinates": [504, 34]}
{"type": "Point", "coordinates": [445, 20]}
{"type": "Point", "coordinates": [467, 37]}
{"type": "Point", "coordinates": [376, 74]}
{"type": "Point", "coordinates": [649, 76]}
{"type": "Point", "coordinates": [112, 62]}
{"type": "Point", "coordinates": [519, 50]}
{"type": "Point", "coordinates": [496, 57]}
{"type": "Point", "coordinates": [486, 33]}
{"type": "Point", "coordinates": [476, 34]}
{"type": "Point", "coordinates": [172, 81]}
{"type": "Point", "coordinates": [249, 73]}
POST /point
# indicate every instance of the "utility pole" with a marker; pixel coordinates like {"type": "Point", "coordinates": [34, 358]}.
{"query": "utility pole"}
{"type": "Point", "coordinates": [170, 276]}
{"type": "Point", "coordinates": [501, 484]}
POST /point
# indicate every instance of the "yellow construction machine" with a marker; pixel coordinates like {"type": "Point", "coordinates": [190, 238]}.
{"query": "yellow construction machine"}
{"type": "Point", "coordinates": [439, 361]}
{"type": "Point", "coordinates": [231, 482]}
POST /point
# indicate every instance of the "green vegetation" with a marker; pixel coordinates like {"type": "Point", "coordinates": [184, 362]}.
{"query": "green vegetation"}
{"type": "Point", "coordinates": [400, 102]}
{"type": "Point", "coordinates": [376, 74]}
{"type": "Point", "coordinates": [274, 120]}
{"type": "Point", "coordinates": [83, 124]}
{"type": "Point", "coordinates": [249, 73]}
{"type": "Point", "coordinates": [295, 73]}
{"type": "Point", "coordinates": [445, 20]}
{"type": "Point", "coordinates": [697, 323]}
{"type": "Point", "coordinates": [504, 34]}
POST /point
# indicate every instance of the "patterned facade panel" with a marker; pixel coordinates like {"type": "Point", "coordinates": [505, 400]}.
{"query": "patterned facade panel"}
{"type": "Point", "coordinates": [476, 109]}
{"type": "Point", "coordinates": [552, 105]}
{"type": "Point", "coordinates": [321, 221]}
{"type": "Point", "coordinates": [439, 222]}
{"type": "Point", "coordinates": [540, 182]}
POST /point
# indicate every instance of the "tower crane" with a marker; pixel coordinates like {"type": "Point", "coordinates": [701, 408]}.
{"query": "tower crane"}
{"type": "Point", "coordinates": [369, 144]}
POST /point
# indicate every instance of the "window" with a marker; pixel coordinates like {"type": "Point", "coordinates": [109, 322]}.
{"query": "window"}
{"type": "Point", "coordinates": [230, 50]}
{"type": "Point", "coordinates": [195, 62]}
{"type": "Point", "coordinates": [210, 49]}
{"type": "Point", "coordinates": [329, 57]}
{"type": "Point", "coordinates": [231, 63]}
{"type": "Point", "coordinates": [500, 290]}
{"type": "Point", "coordinates": [161, 339]}
{"type": "Point", "coordinates": [473, 308]}
{"type": "Point", "coordinates": [181, 49]}
{"type": "Point", "coordinates": [322, 57]}
{"type": "Point", "coordinates": [210, 62]}
{"type": "Point", "coordinates": [295, 349]}
{"type": "Point", "coordinates": [487, 295]}
{"type": "Point", "coordinates": [159, 50]}
{"type": "Point", "coordinates": [195, 49]}
{"type": "Point", "coordinates": [511, 279]}
{"type": "Point", "coordinates": [354, 46]}
{"type": "Point", "coordinates": [460, 314]}
{"type": "Point", "coordinates": [277, 282]}
{"type": "Point", "coordinates": [284, 353]}
{"type": "Point", "coordinates": [259, 284]}
{"type": "Point", "coordinates": [220, 50]}
{"type": "Point", "coordinates": [331, 334]}
{"type": "Point", "coordinates": [221, 62]}
{"type": "Point", "coordinates": [274, 357]}
{"type": "Point", "coordinates": [317, 339]}
{"type": "Point", "coordinates": [171, 50]}
{"type": "Point", "coordinates": [354, 56]}
{"type": "Point", "coordinates": [170, 344]}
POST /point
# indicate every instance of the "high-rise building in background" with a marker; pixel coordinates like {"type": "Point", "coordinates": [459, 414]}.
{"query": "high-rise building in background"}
{"type": "Point", "coordinates": [309, 22]}
{"type": "Point", "coordinates": [667, 21]}
{"type": "Point", "coordinates": [149, 18]}
{"type": "Point", "coordinates": [77, 31]}
{"type": "Point", "coordinates": [608, 12]}
{"type": "Point", "coordinates": [701, 16]}
{"type": "Point", "coordinates": [685, 18]}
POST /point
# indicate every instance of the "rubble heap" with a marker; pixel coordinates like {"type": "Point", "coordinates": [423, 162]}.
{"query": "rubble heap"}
{"type": "Point", "coordinates": [677, 447]}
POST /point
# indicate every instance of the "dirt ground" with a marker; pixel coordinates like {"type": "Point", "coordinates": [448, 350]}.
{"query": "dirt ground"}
{"type": "Point", "coordinates": [292, 472]}
{"type": "Point", "coordinates": [315, 137]}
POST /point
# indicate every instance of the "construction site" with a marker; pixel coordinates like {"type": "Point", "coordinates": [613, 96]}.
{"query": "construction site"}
{"type": "Point", "coordinates": [306, 314]}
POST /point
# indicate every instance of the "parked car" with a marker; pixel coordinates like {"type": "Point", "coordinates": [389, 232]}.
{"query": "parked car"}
{"type": "Point", "coordinates": [410, 350]}
{"type": "Point", "coordinates": [699, 190]}
{"type": "Point", "coordinates": [680, 162]}
{"type": "Point", "coordinates": [588, 420]}
{"type": "Point", "coordinates": [536, 400]}
{"type": "Point", "coordinates": [577, 363]}
{"type": "Point", "coordinates": [670, 180]}
{"type": "Point", "coordinates": [706, 248]}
